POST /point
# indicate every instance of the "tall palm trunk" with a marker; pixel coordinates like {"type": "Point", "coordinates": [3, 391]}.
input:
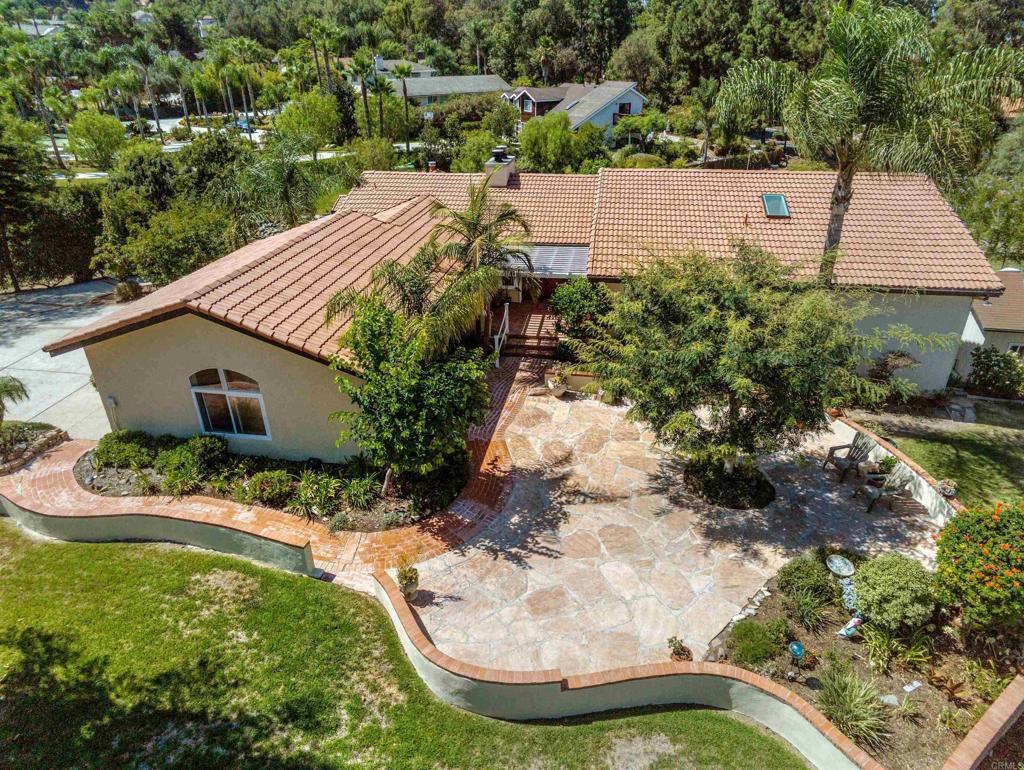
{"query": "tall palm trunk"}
{"type": "Point", "coordinates": [366, 107]}
{"type": "Point", "coordinates": [138, 116]}
{"type": "Point", "coordinates": [231, 100]}
{"type": "Point", "coordinates": [152, 104]}
{"type": "Point", "coordinates": [49, 127]}
{"type": "Point", "coordinates": [842, 194]}
{"type": "Point", "coordinates": [380, 114]}
{"type": "Point", "coordinates": [327, 68]}
{"type": "Point", "coordinates": [316, 63]}
{"type": "Point", "coordinates": [707, 142]}
{"type": "Point", "coordinates": [252, 97]}
{"type": "Point", "coordinates": [184, 107]}
{"type": "Point", "coordinates": [248, 117]}
{"type": "Point", "coordinates": [405, 98]}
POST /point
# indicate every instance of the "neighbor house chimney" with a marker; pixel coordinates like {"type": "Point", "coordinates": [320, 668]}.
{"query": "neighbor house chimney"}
{"type": "Point", "coordinates": [431, 166]}
{"type": "Point", "coordinates": [500, 166]}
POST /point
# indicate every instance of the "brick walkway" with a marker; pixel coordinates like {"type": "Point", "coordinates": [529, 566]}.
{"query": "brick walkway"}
{"type": "Point", "coordinates": [48, 486]}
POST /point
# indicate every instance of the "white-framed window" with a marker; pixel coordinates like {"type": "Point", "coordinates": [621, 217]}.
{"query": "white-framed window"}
{"type": "Point", "coordinates": [229, 403]}
{"type": "Point", "coordinates": [1017, 349]}
{"type": "Point", "coordinates": [527, 105]}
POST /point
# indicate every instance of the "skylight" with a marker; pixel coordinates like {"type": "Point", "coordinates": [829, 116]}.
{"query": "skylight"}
{"type": "Point", "coordinates": [775, 206]}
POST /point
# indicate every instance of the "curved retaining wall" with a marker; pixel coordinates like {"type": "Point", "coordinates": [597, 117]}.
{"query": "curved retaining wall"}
{"type": "Point", "coordinates": [547, 694]}
{"type": "Point", "coordinates": [289, 554]}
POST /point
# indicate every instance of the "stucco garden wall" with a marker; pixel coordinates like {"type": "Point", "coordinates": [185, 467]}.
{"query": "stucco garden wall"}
{"type": "Point", "coordinates": [147, 370]}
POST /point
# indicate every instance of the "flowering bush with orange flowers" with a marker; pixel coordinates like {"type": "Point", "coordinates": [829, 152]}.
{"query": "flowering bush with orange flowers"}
{"type": "Point", "coordinates": [981, 566]}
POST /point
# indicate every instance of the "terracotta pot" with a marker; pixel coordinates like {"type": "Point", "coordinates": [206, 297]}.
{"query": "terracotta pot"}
{"type": "Point", "coordinates": [834, 412]}
{"type": "Point", "coordinates": [685, 656]}
{"type": "Point", "coordinates": [409, 590]}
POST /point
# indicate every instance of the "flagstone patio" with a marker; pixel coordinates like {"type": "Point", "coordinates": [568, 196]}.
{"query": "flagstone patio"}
{"type": "Point", "coordinates": [600, 555]}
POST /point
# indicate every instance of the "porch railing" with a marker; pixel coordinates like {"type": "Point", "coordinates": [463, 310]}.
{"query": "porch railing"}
{"type": "Point", "coordinates": [501, 337]}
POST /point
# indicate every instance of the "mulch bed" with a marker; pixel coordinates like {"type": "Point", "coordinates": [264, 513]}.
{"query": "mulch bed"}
{"type": "Point", "coordinates": [923, 744]}
{"type": "Point", "coordinates": [387, 513]}
{"type": "Point", "coordinates": [1009, 752]}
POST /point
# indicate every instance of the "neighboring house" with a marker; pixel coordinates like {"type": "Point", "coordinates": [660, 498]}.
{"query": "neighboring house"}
{"type": "Point", "coordinates": [240, 347]}
{"type": "Point", "coordinates": [205, 26]}
{"type": "Point", "coordinates": [601, 105]}
{"type": "Point", "coordinates": [996, 321]}
{"type": "Point", "coordinates": [438, 89]}
{"type": "Point", "coordinates": [386, 67]}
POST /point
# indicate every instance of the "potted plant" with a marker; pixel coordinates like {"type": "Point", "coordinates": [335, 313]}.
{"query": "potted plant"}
{"type": "Point", "coordinates": [948, 488]}
{"type": "Point", "coordinates": [408, 580]}
{"type": "Point", "coordinates": [678, 650]}
{"type": "Point", "coordinates": [558, 381]}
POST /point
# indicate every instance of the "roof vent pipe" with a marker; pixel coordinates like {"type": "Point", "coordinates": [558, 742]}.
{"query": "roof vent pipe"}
{"type": "Point", "coordinates": [431, 166]}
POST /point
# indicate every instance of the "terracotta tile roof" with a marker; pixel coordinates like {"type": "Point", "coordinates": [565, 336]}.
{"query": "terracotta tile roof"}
{"type": "Point", "coordinates": [1005, 313]}
{"type": "Point", "coordinates": [559, 208]}
{"type": "Point", "coordinates": [277, 288]}
{"type": "Point", "coordinates": [900, 233]}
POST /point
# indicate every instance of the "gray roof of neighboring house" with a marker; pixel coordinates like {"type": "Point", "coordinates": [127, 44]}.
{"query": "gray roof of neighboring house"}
{"type": "Point", "coordinates": [546, 94]}
{"type": "Point", "coordinates": [449, 85]}
{"type": "Point", "coordinates": [46, 27]}
{"type": "Point", "coordinates": [390, 64]}
{"type": "Point", "coordinates": [583, 101]}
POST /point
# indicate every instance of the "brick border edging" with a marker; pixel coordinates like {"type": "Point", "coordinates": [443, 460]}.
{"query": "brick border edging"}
{"type": "Point", "coordinates": [903, 458]}
{"type": "Point", "coordinates": [417, 635]}
{"type": "Point", "coordinates": [993, 725]}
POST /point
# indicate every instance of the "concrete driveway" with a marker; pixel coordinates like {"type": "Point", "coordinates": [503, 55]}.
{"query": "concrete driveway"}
{"type": "Point", "coordinates": [58, 387]}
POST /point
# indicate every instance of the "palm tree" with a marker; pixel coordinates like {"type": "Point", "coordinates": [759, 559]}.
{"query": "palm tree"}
{"type": "Point", "coordinates": [309, 26]}
{"type": "Point", "coordinates": [544, 53]}
{"type": "Point", "coordinates": [381, 87]}
{"type": "Point", "coordinates": [277, 187]}
{"type": "Point", "coordinates": [363, 68]}
{"type": "Point", "coordinates": [704, 96]}
{"type": "Point", "coordinates": [12, 391]}
{"type": "Point", "coordinates": [248, 55]}
{"type": "Point", "coordinates": [879, 98]}
{"type": "Point", "coordinates": [476, 36]}
{"type": "Point", "coordinates": [403, 72]}
{"type": "Point", "coordinates": [178, 70]}
{"type": "Point", "coordinates": [31, 60]}
{"type": "Point", "coordinates": [441, 306]}
{"type": "Point", "coordinates": [484, 234]}
{"type": "Point", "coordinates": [143, 56]}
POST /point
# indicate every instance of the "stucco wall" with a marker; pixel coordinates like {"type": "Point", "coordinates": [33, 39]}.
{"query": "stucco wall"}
{"type": "Point", "coordinates": [147, 372]}
{"type": "Point", "coordinates": [925, 314]}
{"type": "Point", "coordinates": [603, 117]}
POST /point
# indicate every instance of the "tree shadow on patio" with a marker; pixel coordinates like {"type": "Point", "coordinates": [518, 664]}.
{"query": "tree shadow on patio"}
{"type": "Point", "coordinates": [65, 707]}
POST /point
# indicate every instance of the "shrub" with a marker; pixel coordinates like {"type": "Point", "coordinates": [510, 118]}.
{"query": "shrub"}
{"type": "Point", "coordinates": [338, 522]}
{"type": "Point", "coordinates": [895, 592]}
{"type": "Point", "coordinates": [316, 494]}
{"type": "Point", "coordinates": [751, 643]}
{"type": "Point", "coordinates": [267, 487]}
{"type": "Point", "coordinates": [996, 374]}
{"type": "Point", "coordinates": [852, 705]}
{"type": "Point", "coordinates": [745, 487]}
{"type": "Point", "coordinates": [361, 492]}
{"type": "Point", "coordinates": [808, 574]}
{"type": "Point", "coordinates": [12, 438]}
{"type": "Point", "coordinates": [806, 608]}
{"type": "Point", "coordinates": [578, 302]}
{"type": "Point", "coordinates": [980, 559]}
{"type": "Point", "coordinates": [436, 490]}
{"type": "Point", "coordinates": [181, 471]}
{"type": "Point", "coordinates": [126, 291]}
{"type": "Point", "coordinates": [130, 449]}
{"type": "Point", "coordinates": [206, 454]}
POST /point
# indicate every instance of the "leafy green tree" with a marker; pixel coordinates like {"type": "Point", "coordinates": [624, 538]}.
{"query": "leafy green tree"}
{"type": "Point", "coordinates": [309, 121]}
{"type": "Point", "coordinates": [31, 61]}
{"type": "Point", "coordinates": [965, 25]}
{"type": "Point", "coordinates": [373, 154]}
{"type": "Point", "coordinates": [345, 99]}
{"type": "Point", "coordinates": [178, 241]}
{"type": "Point", "coordinates": [63, 236]}
{"type": "Point", "coordinates": [144, 169]}
{"type": "Point", "coordinates": [642, 128]}
{"type": "Point", "coordinates": [96, 138]}
{"type": "Point", "coordinates": [785, 30]}
{"type": "Point", "coordinates": [411, 415]}
{"type": "Point", "coordinates": [207, 165]}
{"type": "Point", "coordinates": [638, 59]}
{"type": "Point", "coordinates": [993, 212]}
{"type": "Point", "coordinates": [502, 120]}
{"type": "Point", "coordinates": [475, 150]}
{"type": "Point", "coordinates": [726, 358]}
{"type": "Point", "coordinates": [601, 26]}
{"type": "Point", "coordinates": [1007, 158]}
{"type": "Point", "coordinates": [546, 144]}
{"type": "Point", "coordinates": [705, 38]}
{"type": "Point", "coordinates": [879, 98]}
{"type": "Point", "coordinates": [24, 180]}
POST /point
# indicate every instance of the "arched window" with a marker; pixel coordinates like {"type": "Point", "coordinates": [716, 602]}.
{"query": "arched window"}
{"type": "Point", "coordinates": [229, 403]}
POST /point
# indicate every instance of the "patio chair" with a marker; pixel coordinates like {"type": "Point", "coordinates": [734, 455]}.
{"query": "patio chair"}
{"type": "Point", "coordinates": [856, 453]}
{"type": "Point", "coordinates": [895, 485]}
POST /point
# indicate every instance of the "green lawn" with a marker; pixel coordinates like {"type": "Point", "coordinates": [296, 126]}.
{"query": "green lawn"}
{"type": "Point", "coordinates": [127, 655]}
{"type": "Point", "coordinates": [986, 461]}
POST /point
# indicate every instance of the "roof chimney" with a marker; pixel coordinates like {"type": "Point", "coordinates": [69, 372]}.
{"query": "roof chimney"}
{"type": "Point", "coordinates": [500, 166]}
{"type": "Point", "coordinates": [431, 166]}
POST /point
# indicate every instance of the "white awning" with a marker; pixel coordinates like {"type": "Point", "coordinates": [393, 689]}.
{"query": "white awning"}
{"type": "Point", "coordinates": [559, 261]}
